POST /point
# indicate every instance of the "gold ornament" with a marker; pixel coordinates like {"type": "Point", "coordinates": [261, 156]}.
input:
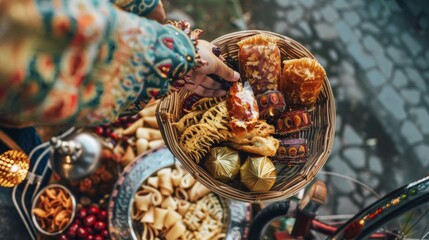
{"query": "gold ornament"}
{"type": "Point", "coordinates": [258, 174]}
{"type": "Point", "coordinates": [14, 166]}
{"type": "Point", "coordinates": [223, 163]}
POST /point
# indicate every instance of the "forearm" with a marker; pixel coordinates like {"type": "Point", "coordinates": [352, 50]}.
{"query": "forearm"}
{"type": "Point", "coordinates": [84, 65]}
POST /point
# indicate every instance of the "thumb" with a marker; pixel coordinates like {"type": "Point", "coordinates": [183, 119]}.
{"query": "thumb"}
{"type": "Point", "coordinates": [225, 72]}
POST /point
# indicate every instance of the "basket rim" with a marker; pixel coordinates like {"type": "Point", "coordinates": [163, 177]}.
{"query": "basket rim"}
{"type": "Point", "coordinates": [299, 181]}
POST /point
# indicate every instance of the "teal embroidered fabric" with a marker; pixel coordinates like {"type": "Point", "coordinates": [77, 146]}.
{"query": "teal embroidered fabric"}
{"type": "Point", "coordinates": [83, 62]}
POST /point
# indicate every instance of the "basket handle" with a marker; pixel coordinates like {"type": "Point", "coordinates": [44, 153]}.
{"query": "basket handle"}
{"type": "Point", "coordinates": [9, 141]}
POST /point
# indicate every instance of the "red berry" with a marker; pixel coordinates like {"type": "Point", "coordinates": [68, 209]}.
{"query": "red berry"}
{"type": "Point", "coordinates": [90, 237]}
{"type": "Point", "coordinates": [102, 215]}
{"type": "Point", "coordinates": [90, 230]}
{"type": "Point", "coordinates": [114, 136]}
{"type": "Point", "coordinates": [125, 138]}
{"type": "Point", "coordinates": [98, 237]}
{"type": "Point", "coordinates": [99, 226]}
{"type": "Point", "coordinates": [89, 220]}
{"type": "Point", "coordinates": [77, 221]}
{"type": "Point", "coordinates": [105, 233]}
{"type": "Point", "coordinates": [72, 230]}
{"type": "Point", "coordinates": [116, 123]}
{"type": "Point", "coordinates": [82, 213]}
{"type": "Point", "coordinates": [99, 131]}
{"type": "Point", "coordinates": [93, 210]}
{"type": "Point", "coordinates": [107, 132]}
{"type": "Point", "coordinates": [81, 232]}
{"type": "Point", "coordinates": [63, 237]}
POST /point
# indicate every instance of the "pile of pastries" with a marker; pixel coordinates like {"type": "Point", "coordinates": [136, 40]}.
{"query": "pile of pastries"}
{"type": "Point", "coordinates": [130, 136]}
{"type": "Point", "coordinates": [239, 139]}
{"type": "Point", "coordinates": [173, 205]}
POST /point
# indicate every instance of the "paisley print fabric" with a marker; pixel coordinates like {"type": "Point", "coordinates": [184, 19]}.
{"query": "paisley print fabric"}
{"type": "Point", "coordinates": [83, 62]}
{"type": "Point", "coordinates": [139, 7]}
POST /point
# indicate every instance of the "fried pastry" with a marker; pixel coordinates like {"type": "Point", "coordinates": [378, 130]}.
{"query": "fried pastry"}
{"type": "Point", "coordinates": [257, 145]}
{"type": "Point", "coordinates": [206, 103]}
{"type": "Point", "coordinates": [197, 140]}
{"type": "Point", "coordinates": [262, 129]}
{"type": "Point", "coordinates": [301, 81]}
{"type": "Point", "coordinates": [242, 109]}
{"type": "Point", "coordinates": [188, 120]}
{"type": "Point", "coordinates": [217, 116]}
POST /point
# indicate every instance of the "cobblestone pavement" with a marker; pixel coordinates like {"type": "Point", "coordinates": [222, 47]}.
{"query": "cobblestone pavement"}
{"type": "Point", "coordinates": [378, 66]}
{"type": "Point", "coordinates": [377, 62]}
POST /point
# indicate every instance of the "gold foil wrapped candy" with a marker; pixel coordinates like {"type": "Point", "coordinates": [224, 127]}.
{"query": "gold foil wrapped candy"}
{"type": "Point", "coordinates": [223, 163]}
{"type": "Point", "coordinates": [258, 174]}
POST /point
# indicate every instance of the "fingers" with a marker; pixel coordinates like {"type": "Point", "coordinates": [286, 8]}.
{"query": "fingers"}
{"type": "Point", "coordinates": [210, 83]}
{"type": "Point", "coordinates": [225, 72]}
{"type": "Point", "coordinates": [205, 86]}
{"type": "Point", "coordinates": [215, 64]}
{"type": "Point", "coordinates": [204, 92]}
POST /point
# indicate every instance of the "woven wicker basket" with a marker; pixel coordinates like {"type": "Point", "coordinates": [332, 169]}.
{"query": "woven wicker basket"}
{"type": "Point", "coordinates": [320, 136]}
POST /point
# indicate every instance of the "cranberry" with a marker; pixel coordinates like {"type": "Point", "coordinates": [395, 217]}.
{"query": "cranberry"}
{"type": "Point", "coordinates": [99, 131]}
{"type": "Point", "coordinates": [89, 220]}
{"type": "Point", "coordinates": [124, 120]}
{"type": "Point", "coordinates": [107, 132]}
{"type": "Point", "coordinates": [72, 230]}
{"type": "Point", "coordinates": [83, 213]}
{"type": "Point", "coordinates": [114, 136]}
{"type": "Point", "coordinates": [125, 138]}
{"type": "Point", "coordinates": [77, 221]}
{"type": "Point", "coordinates": [98, 237]}
{"type": "Point", "coordinates": [63, 237]}
{"type": "Point", "coordinates": [99, 226]}
{"type": "Point", "coordinates": [89, 237]}
{"type": "Point", "coordinates": [93, 210]}
{"type": "Point", "coordinates": [116, 123]}
{"type": "Point", "coordinates": [102, 215]}
{"type": "Point", "coordinates": [105, 233]}
{"type": "Point", "coordinates": [90, 231]}
{"type": "Point", "coordinates": [81, 232]}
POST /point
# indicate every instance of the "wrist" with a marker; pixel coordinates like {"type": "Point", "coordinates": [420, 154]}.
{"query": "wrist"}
{"type": "Point", "coordinates": [181, 78]}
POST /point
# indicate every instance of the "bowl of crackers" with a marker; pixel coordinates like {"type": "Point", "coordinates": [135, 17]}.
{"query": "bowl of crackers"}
{"type": "Point", "coordinates": [53, 210]}
{"type": "Point", "coordinates": [273, 131]}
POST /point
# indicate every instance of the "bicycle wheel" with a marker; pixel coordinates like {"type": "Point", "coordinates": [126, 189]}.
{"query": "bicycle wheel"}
{"type": "Point", "coordinates": [267, 221]}
{"type": "Point", "coordinates": [402, 214]}
{"type": "Point", "coordinates": [277, 221]}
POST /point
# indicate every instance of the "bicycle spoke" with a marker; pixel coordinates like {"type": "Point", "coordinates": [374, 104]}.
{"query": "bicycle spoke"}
{"type": "Point", "coordinates": [406, 224]}
{"type": "Point", "coordinates": [425, 234]}
{"type": "Point", "coordinates": [417, 222]}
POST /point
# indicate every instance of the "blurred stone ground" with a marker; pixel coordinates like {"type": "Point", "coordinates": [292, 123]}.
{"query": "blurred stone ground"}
{"type": "Point", "coordinates": [377, 58]}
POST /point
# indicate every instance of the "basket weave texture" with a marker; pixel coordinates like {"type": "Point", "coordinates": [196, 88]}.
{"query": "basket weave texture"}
{"type": "Point", "coordinates": [320, 135]}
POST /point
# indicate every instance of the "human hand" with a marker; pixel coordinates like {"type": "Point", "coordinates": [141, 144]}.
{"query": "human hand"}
{"type": "Point", "coordinates": [158, 13]}
{"type": "Point", "coordinates": [200, 83]}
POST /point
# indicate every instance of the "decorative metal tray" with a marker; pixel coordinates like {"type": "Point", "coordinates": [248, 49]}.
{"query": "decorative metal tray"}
{"type": "Point", "coordinates": [120, 222]}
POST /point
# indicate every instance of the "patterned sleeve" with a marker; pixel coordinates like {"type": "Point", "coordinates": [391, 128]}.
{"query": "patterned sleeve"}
{"type": "Point", "coordinates": [139, 7]}
{"type": "Point", "coordinates": [83, 62]}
